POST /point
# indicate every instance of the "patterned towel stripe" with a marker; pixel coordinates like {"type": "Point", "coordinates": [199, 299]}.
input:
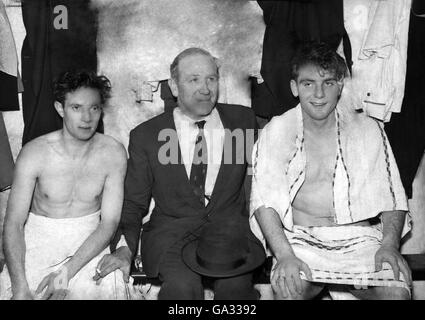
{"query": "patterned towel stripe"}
{"type": "Point", "coordinates": [362, 279]}
{"type": "Point", "coordinates": [343, 163]}
{"type": "Point", "coordinates": [333, 186]}
{"type": "Point", "coordinates": [293, 156]}
{"type": "Point", "coordinates": [299, 174]}
{"type": "Point", "coordinates": [325, 247]}
{"type": "Point", "coordinates": [350, 273]}
{"type": "Point", "coordinates": [334, 241]}
{"type": "Point", "coordinates": [387, 161]}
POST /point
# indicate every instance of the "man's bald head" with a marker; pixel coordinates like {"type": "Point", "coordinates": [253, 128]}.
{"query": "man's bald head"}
{"type": "Point", "coordinates": [174, 71]}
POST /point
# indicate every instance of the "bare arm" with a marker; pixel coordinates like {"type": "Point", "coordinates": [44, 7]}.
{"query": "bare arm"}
{"type": "Point", "coordinates": [137, 196]}
{"type": "Point", "coordinates": [285, 278]}
{"type": "Point", "coordinates": [271, 226]}
{"type": "Point", "coordinates": [392, 226]}
{"type": "Point", "coordinates": [112, 199]}
{"type": "Point", "coordinates": [16, 214]}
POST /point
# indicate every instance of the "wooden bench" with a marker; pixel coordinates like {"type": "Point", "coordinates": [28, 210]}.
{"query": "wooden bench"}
{"type": "Point", "coordinates": [262, 274]}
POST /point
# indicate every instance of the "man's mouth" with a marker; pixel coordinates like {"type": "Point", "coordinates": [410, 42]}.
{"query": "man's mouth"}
{"type": "Point", "coordinates": [318, 104]}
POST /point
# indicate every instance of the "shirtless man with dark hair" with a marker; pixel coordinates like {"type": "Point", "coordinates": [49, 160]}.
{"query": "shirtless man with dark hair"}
{"type": "Point", "coordinates": [65, 203]}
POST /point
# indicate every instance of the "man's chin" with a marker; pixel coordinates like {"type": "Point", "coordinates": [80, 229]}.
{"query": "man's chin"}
{"type": "Point", "coordinates": [84, 137]}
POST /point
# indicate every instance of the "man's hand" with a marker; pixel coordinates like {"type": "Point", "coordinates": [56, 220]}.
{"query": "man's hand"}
{"type": "Point", "coordinates": [286, 278]}
{"type": "Point", "coordinates": [56, 283]}
{"type": "Point", "coordinates": [392, 255]}
{"type": "Point", "coordinates": [120, 259]}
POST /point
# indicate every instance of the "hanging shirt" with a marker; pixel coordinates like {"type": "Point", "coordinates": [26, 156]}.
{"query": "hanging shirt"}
{"type": "Point", "coordinates": [378, 32]}
{"type": "Point", "coordinates": [187, 131]}
{"type": "Point", "coordinates": [8, 65]}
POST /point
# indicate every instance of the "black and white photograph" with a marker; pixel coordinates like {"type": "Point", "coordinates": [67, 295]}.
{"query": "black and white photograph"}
{"type": "Point", "coordinates": [223, 150]}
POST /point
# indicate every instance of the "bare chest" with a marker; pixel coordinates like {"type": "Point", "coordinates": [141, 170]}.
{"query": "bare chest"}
{"type": "Point", "coordinates": [320, 161]}
{"type": "Point", "coordinates": [66, 181]}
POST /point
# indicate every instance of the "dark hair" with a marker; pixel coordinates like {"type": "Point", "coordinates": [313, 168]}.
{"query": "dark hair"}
{"type": "Point", "coordinates": [318, 54]}
{"type": "Point", "coordinates": [174, 72]}
{"type": "Point", "coordinates": [70, 81]}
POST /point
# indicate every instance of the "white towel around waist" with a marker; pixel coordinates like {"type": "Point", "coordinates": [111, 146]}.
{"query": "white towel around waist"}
{"type": "Point", "coordinates": [342, 255]}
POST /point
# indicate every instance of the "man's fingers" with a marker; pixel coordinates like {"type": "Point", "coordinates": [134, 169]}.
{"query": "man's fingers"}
{"type": "Point", "coordinates": [99, 280]}
{"type": "Point", "coordinates": [126, 275]}
{"type": "Point", "coordinates": [298, 284]}
{"type": "Point", "coordinates": [48, 293]}
{"type": "Point", "coordinates": [102, 261]}
{"type": "Point", "coordinates": [394, 265]}
{"type": "Point", "coordinates": [112, 266]}
{"type": "Point", "coordinates": [378, 263]}
{"type": "Point", "coordinates": [274, 282]}
{"type": "Point", "coordinates": [291, 286]}
{"type": "Point", "coordinates": [283, 287]}
{"type": "Point", "coordinates": [108, 269]}
{"type": "Point", "coordinates": [278, 285]}
{"type": "Point", "coordinates": [307, 271]}
{"type": "Point", "coordinates": [42, 284]}
{"type": "Point", "coordinates": [405, 270]}
{"type": "Point", "coordinates": [59, 294]}
{"type": "Point", "coordinates": [102, 269]}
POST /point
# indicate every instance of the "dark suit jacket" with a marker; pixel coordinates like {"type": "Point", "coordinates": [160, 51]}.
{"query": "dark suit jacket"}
{"type": "Point", "coordinates": [178, 212]}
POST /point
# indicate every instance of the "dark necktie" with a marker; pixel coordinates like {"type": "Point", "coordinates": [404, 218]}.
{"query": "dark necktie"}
{"type": "Point", "coordinates": [198, 173]}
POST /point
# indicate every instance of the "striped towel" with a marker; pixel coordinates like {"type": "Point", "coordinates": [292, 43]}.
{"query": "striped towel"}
{"type": "Point", "coordinates": [342, 255]}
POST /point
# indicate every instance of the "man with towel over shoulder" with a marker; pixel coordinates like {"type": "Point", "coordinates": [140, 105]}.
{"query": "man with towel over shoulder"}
{"type": "Point", "coordinates": [326, 192]}
{"type": "Point", "coordinates": [65, 203]}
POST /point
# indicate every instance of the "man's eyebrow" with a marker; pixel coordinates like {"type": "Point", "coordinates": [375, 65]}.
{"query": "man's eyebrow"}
{"type": "Point", "coordinates": [333, 78]}
{"type": "Point", "coordinates": [330, 78]}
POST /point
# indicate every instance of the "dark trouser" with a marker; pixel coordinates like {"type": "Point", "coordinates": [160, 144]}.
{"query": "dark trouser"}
{"type": "Point", "coordinates": [179, 282]}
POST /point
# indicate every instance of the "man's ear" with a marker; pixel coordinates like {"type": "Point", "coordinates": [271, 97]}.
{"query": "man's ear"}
{"type": "Point", "coordinates": [59, 108]}
{"type": "Point", "coordinates": [173, 86]}
{"type": "Point", "coordinates": [294, 88]}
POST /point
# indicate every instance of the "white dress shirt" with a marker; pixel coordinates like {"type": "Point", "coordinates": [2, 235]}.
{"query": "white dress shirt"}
{"type": "Point", "coordinates": [187, 132]}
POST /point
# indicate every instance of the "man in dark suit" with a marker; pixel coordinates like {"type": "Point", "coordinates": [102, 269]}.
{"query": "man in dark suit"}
{"type": "Point", "coordinates": [193, 162]}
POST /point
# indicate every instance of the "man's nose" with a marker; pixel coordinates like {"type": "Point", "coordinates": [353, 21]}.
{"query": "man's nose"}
{"type": "Point", "coordinates": [86, 116]}
{"type": "Point", "coordinates": [205, 87]}
{"type": "Point", "coordinates": [319, 92]}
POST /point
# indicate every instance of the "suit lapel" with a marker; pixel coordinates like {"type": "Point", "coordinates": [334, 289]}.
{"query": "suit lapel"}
{"type": "Point", "coordinates": [179, 168]}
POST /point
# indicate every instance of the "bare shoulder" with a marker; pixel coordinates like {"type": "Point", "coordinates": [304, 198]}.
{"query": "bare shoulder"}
{"type": "Point", "coordinates": [110, 149]}
{"type": "Point", "coordinates": [34, 152]}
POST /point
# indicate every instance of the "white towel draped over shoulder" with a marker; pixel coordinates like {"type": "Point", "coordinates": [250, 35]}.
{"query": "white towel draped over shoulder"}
{"type": "Point", "coordinates": [366, 179]}
{"type": "Point", "coordinates": [49, 244]}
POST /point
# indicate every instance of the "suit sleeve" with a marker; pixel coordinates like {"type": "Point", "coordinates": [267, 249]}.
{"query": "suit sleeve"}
{"type": "Point", "coordinates": [137, 194]}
